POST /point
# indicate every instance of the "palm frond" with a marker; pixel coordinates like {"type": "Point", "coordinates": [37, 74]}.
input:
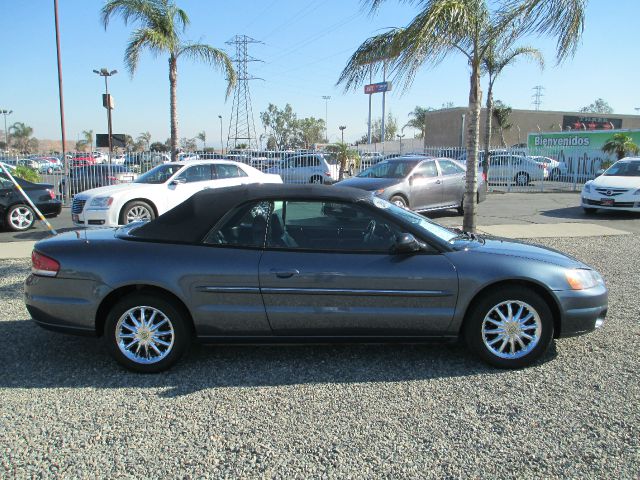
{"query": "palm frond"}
{"type": "Point", "coordinates": [141, 38]}
{"type": "Point", "coordinates": [214, 57]}
{"type": "Point", "coordinates": [142, 11]}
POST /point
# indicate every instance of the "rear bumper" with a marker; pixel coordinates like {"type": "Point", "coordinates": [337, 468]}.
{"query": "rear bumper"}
{"type": "Point", "coordinates": [50, 209]}
{"type": "Point", "coordinates": [582, 310]}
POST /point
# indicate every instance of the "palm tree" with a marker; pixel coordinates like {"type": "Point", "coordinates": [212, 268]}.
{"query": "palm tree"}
{"type": "Point", "coordinates": [162, 24]}
{"type": "Point", "coordinates": [470, 27]}
{"type": "Point", "coordinates": [419, 120]}
{"type": "Point", "coordinates": [88, 138]}
{"type": "Point", "coordinates": [202, 136]}
{"type": "Point", "coordinates": [501, 113]}
{"type": "Point", "coordinates": [499, 56]}
{"type": "Point", "coordinates": [20, 134]}
{"type": "Point", "coordinates": [145, 139]}
{"type": "Point", "coordinates": [621, 144]}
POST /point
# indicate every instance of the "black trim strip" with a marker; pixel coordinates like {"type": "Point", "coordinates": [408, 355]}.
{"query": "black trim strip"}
{"type": "Point", "coordinates": [352, 292]}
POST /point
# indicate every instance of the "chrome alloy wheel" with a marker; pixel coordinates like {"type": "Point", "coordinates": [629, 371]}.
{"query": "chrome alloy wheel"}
{"type": "Point", "coordinates": [511, 329]}
{"type": "Point", "coordinates": [144, 335]}
{"type": "Point", "coordinates": [21, 218]}
{"type": "Point", "coordinates": [138, 213]}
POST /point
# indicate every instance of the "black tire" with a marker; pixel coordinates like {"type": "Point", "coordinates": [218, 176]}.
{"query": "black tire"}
{"type": "Point", "coordinates": [19, 217]}
{"type": "Point", "coordinates": [129, 212]}
{"type": "Point", "coordinates": [482, 313]}
{"type": "Point", "coordinates": [316, 179]}
{"type": "Point", "coordinates": [589, 211]}
{"type": "Point", "coordinates": [50, 171]}
{"type": "Point", "coordinates": [400, 201]}
{"type": "Point", "coordinates": [180, 337]}
{"type": "Point", "coordinates": [522, 179]}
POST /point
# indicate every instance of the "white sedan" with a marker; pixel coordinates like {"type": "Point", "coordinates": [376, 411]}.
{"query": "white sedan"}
{"type": "Point", "coordinates": [159, 190]}
{"type": "Point", "coordinates": [618, 188]}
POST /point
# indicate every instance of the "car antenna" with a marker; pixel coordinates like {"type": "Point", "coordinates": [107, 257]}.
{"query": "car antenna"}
{"type": "Point", "coordinates": [26, 197]}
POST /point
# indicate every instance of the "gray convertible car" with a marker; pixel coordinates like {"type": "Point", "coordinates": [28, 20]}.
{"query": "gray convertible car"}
{"type": "Point", "coordinates": [287, 263]}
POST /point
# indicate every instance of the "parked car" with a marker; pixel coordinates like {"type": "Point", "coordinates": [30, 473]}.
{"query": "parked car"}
{"type": "Point", "coordinates": [368, 159]}
{"type": "Point", "coordinates": [282, 263]}
{"type": "Point", "coordinates": [306, 168]}
{"type": "Point", "coordinates": [46, 166]}
{"type": "Point", "coordinates": [159, 190]}
{"type": "Point", "coordinates": [419, 183]}
{"type": "Point", "coordinates": [81, 160]}
{"type": "Point", "coordinates": [516, 169]}
{"type": "Point", "coordinates": [93, 176]}
{"type": "Point", "coordinates": [618, 188]}
{"type": "Point", "coordinates": [15, 212]}
{"type": "Point", "coordinates": [557, 170]}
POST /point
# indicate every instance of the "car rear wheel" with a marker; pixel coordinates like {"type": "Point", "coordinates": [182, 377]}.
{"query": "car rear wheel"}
{"type": "Point", "coordinates": [510, 327]}
{"type": "Point", "coordinates": [20, 218]}
{"type": "Point", "coordinates": [146, 333]}
{"type": "Point", "coordinates": [522, 179]}
{"type": "Point", "coordinates": [315, 179]}
{"type": "Point", "coordinates": [399, 201]}
{"type": "Point", "coordinates": [137, 211]}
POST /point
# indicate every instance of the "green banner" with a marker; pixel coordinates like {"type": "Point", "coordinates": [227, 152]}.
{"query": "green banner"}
{"type": "Point", "coordinates": [579, 140]}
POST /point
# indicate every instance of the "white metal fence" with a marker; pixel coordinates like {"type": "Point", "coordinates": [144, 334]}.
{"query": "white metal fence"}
{"type": "Point", "coordinates": [515, 169]}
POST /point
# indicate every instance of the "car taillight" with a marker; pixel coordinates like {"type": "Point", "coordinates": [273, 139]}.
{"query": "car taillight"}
{"type": "Point", "coordinates": [51, 193]}
{"type": "Point", "coordinates": [43, 265]}
{"type": "Point", "coordinates": [484, 176]}
{"type": "Point", "coordinates": [113, 180]}
{"type": "Point", "coordinates": [328, 174]}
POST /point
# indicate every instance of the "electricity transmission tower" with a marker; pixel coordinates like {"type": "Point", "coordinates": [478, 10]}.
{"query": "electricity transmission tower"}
{"type": "Point", "coordinates": [241, 126]}
{"type": "Point", "coordinates": [537, 97]}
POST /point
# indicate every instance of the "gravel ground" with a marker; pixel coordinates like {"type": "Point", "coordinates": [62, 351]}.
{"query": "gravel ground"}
{"type": "Point", "coordinates": [327, 411]}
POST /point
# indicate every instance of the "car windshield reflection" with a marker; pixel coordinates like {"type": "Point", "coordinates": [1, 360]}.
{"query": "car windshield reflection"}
{"type": "Point", "coordinates": [159, 174]}
{"type": "Point", "coordinates": [387, 169]}
{"type": "Point", "coordinates": [623, 169]}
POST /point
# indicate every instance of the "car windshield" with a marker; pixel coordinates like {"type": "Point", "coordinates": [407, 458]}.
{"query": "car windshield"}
{"type": "Point", "coordinates": [389, 169]}
{"type": "Point", "coordinates": [428, 226]}
{"type": "Point", "coordinates": [159, 174]}
{"type": "Point", "coordinates": [624, 169]}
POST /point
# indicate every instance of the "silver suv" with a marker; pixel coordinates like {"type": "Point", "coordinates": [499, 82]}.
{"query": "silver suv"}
{"type": "Point", "coordinates": [306, 168]}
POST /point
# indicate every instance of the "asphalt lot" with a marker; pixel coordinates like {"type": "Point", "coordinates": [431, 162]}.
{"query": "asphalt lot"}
{"type": "Point", "coordinates": [498, 209]}
{"type": "Point", "coordinates": [347, 411]}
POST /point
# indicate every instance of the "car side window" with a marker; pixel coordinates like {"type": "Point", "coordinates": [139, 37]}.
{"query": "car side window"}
{"type": "Point", "coordinates": [449, 168]}
{"type": "Point", "coordinates": [426, 170]}
{"type": "Point", "coordinates": [243, 227]}
{"type": "Point", "coordinates": [224, 170]}
{"type": "Point", "coordinates": [196, 173]}
{"type": "Point", "coordinates": [329, 226]}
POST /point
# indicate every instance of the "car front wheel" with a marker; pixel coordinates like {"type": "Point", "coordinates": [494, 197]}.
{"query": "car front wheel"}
{"type": "Point", "coordinates": [510, 327]}
{"type": "Point", "coordinates": [399, 201]}
{"type": "Point", "coordinates": [137, 211]}
{"type": "Point", "coordinates": [146, 333]}
{"type": "Point", "coordinates": [20, 218]}
{"type": "Point", "coordinates": [522, 179]}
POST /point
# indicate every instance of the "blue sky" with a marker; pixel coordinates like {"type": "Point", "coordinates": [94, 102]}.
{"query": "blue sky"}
{"type": "Point", "coordinates": [306, 45]}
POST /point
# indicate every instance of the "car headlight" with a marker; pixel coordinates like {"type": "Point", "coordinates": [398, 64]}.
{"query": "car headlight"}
{"type": "Point", "coordinates": [637, 192]}
{"type": "Point", "coordinates": [581, 278]}
{"type": "Point", "coordinates": [380, 191]}
{"type": "Point", "coordinates": [101, 202]}
{"type": "Point", "coordinates": [587, 188]}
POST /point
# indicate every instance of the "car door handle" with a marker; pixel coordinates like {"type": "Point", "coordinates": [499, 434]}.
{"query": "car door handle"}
{"type": "Point", "coordinates": [285, 273]}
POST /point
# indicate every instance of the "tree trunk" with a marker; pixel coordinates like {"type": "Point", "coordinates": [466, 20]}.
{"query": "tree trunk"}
{"type": "Point", "coordinates": [473, 139]}
{"type": "Point", "coordinates": [173, 80]}
{"type": "Point", "coordinates": [487, 131]}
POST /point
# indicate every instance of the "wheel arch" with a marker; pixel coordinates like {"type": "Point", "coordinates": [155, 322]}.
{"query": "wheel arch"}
{"type": "Point", "coordinates": [114, 297]}
{"type": "Point", "coordinates": [145, 200]}
{"type": "Point", "coordinates": [402, 195]}
{"type": "Point", "coordinates": [536, 287]}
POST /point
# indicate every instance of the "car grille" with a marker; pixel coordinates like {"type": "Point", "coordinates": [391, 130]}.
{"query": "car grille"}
{"type": "Point", "coordinates": [615, 205]}
{"type": "Point", "coordinates": [611, 192]}
{"type": "Point", "coordinates": [78, 205]}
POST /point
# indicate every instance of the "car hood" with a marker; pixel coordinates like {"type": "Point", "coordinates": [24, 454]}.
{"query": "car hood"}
{"type": "Point", "coordinates": [113, 189]}
{"type": "Point", "coordinates": [616, 182]}
{"type": "Point", "coordinates": [514, 248]}
{"type": "Point", "coordinates": [370, 184]}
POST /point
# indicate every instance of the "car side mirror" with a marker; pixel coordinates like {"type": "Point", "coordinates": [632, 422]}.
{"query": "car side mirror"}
{"type": "Point", "coordinates": [407, 243]}
{"type": "Point", "coordinates": [599, 172]}
{"type": "Point", "coordinates": [177, 181]}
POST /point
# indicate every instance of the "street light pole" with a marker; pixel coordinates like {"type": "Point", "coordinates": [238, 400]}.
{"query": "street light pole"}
{"type": "Point", "coordinates": [6, 135]}
{"type": "Point", "coordinates": [326, 99]}
{"type": "Point", "coordinates": [342, 127]}
{"type": "Point", "coordinates": [108, 104]}
{"type": "Point", "coordinates": [400, 137]}
{"type": "Point", "coordinates": [221, 141]}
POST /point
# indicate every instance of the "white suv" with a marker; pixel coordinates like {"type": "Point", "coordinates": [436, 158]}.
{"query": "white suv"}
{"type": "Point", "coordinates": [306, 168]}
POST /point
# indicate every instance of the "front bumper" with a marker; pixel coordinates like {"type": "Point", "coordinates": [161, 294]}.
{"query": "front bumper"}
{"type": "Point", "coordinates": [582, 311]}
{"type": "Point", "coordinates": [94, 218]}
{"type": "Point", "coordinates": [628, 202]}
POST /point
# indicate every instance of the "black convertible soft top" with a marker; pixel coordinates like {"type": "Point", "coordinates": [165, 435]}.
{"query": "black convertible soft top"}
{"type": "Point", "coordinates": [191, 220]}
